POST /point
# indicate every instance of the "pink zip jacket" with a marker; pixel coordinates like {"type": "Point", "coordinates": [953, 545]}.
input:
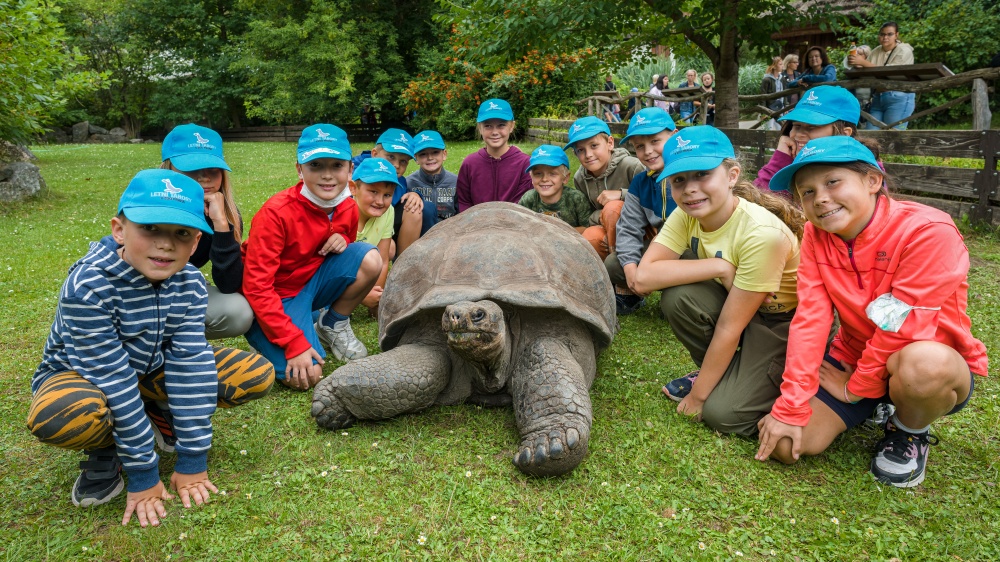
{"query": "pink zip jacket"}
{"type": "Point", "coordinates": [482, 178]}
{"type": "Point", "coordinates": [911, 250]}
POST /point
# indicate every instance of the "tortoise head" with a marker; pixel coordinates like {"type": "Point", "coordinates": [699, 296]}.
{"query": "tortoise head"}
{"type": "Point", "coordinates": [477, 332]}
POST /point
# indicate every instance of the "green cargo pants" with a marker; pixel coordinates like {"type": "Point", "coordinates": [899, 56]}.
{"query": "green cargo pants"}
{"type": "Point", "coordinates": [752, 382]}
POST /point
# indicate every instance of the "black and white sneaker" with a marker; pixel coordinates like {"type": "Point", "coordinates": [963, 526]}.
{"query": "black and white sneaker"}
{"type": "Point", "coordinates": [628, 304]}
{"type": "Point", "coordinates": [901, 457]}
{"type": "Point", "coordinates": [100, 479]}
{"type": "Point", "coordinates": [883, 411]}
{"type": "Point", "coordinates": [162, 422]}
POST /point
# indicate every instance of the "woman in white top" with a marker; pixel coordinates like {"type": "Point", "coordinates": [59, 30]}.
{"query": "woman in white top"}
{"type": "Point", "coordinates": [889, 106]}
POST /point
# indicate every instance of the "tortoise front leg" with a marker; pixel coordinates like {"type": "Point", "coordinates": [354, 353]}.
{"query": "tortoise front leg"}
{"type": "Point", "coordinates": [552, 409]}
{"type": "Point", "coordinates": [402, 380]}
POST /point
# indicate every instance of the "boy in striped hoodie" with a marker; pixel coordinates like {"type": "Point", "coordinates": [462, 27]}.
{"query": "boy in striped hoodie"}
{"type": "Point", "coordinates": [129, 329]}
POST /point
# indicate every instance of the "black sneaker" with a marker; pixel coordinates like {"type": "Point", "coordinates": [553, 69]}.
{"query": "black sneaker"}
{"type": "Point", "coordinates": [901, 457]}
{"type": "Point", "coordinates": [100, 478]}
{"type": "Point", "coordinates": [627, 304]}
{"type": "Point", "coordinates": [163, 426]}
{"type": "Point", "coordinates": [677, 389]}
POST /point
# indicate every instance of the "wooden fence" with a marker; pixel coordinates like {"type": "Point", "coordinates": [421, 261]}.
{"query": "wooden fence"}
{"type": "Point", "coordinates": [976, 80]}
{"type": "Point", "coordinates": [957, 191]}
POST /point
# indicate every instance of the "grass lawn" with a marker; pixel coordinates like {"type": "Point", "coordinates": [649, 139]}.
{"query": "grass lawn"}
{"type": "Point", "coordinates": [440, 484]}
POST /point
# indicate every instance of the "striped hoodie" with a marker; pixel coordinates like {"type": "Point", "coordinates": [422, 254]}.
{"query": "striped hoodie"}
{"type": "Point", "coordinates": [113, 327]}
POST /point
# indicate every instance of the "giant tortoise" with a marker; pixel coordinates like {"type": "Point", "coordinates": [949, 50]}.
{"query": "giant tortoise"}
{"type": "Point", "coordinates": [497, 305]}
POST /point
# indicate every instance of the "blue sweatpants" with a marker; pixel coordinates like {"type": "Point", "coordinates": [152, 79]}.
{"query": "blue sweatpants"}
{"type": "Point", "coordinates": [330, 281]}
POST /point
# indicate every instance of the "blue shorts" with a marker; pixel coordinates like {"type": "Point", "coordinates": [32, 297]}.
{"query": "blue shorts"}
{"type": "Point", "coordinates": [327, 284]}
{"type": "Point", "coordinates": [855, 414]}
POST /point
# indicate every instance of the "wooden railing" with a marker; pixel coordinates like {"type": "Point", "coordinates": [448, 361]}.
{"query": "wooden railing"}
{"type": "Point", "coordinates": [958, 191]}
{"type": "Point", "coordinates": [757, 104]}
{"type": "Point", "coordinates": [291, 133]}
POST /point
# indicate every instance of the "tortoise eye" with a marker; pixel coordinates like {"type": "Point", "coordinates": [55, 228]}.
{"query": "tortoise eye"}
{"type": "Point", "coordinates": [478, 315]}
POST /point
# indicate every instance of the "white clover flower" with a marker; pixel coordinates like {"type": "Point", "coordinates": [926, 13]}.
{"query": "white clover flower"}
{"type": "Point", "coordinates": [792, 520]}
{"type": "Point", "coordinates": [323, 474]}
{"type": "Point", "coordinates": [422, 540]}
{"type": "Point", "coordinates": [739, 554]}
{"type": "Point", "coordinates": [243, 452]}
{"type": "Point", "coordinates": [835, 521]}
{"type": "Point", "coordinates": [701, 546]}
{"type": "Point", "coordinates": [83, 548]}
{"type": "Point", "coordinates": [249, 496]}
{"type": "Point", "coordinates": [277, 483]}
{"type": "Point", "coordinates": [604, 483]}
{"type": "Point", "coordinates": [244, 426]}
{"type": "Point", "coordinates": [493, 517]}
{"type": "Point", "coordinates": [375, 444]}
{"type": "Point", "coordinates": [773, 553]}
{"type": "Point", "coordinates": [468, 474]}
{"type": "Point", "coordinates": [223, 492]}
{"type": "Point", "coordinates": [344, 434]}
{"type": "Point", "coordinates": [183, 536]}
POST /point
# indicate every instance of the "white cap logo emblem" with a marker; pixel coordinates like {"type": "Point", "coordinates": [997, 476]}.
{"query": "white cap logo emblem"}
{"type": "Point", "coordinates": [541, 152]}
{"type": "Point", "coordinates": [382, 168]}
{"type": "Point", "coordinates": [425, 138]}
{"type": "Point", "coordinates": [169, 187]}
{"type": "Point", "coordinates": [200, 139]}
{"type": "Point", "coordinates": [402, 137]}
{"type": "Point", "coordinates": [321, 135]}
{"type": "Point", "coordinates": [494, 106]}
{"type": "Point", "coordinates": [809, 151]}
{"type": "Point", "coordinates": [812, 98]}
{"type": "Point", "coordinates": [640, 120]}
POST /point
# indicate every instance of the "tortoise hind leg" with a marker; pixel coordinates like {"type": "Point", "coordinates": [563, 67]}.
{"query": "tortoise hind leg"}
{"type": "Point", "coordinates": [405, 379]}
{"type": "Point", "coordinates": [552, 409]}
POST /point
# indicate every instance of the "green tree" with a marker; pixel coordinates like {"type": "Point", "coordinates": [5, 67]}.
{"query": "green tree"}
{"type": "Point", "coordinates": [618, 30]}
{"type": "Point", "coordinates": [37, 71]}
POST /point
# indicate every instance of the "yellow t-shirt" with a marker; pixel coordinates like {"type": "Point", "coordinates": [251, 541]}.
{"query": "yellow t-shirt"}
{"type": "Point", "coordinates": [763, 249]}
{"type": "Point", "coordinates": [377, 229]}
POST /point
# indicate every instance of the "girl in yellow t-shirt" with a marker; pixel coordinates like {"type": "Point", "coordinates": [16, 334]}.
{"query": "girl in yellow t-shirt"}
{"type": "Point", "coordinates": [731, 299]}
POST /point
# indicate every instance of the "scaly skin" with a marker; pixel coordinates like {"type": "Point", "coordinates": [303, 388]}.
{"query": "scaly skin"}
{"type": "Point", "coordinates": [401, 380]}
{"type": "Point", "coordinates": [552, 408]}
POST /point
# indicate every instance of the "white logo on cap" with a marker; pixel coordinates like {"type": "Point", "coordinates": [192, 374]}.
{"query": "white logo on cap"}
{"type": "Point", "coordinates": [541, 152]}
{"type": "Point", "coordinates": [577, 128]}
{"type": "Point", "coordinates": [809, 151]}
{"type": "Point", "coordinates": [493, 106]}
{"type": "Point", "coordinates": [402, 137]}
{"type": "Point", "coordinates": [397, 147]}
{"type": "Point", "coordinates": [169, 187]}
{"type": "Point", "coordinates": [812, 98]}
{"type": "Point", "coordinates": [382, 168]}
{"type": "Point", "coordinates": [640, 120]}
{"type": "Point", "coordinates": [425, 137]}
{"type": "Point", "coordinates": [200, 139]}
{"type": "Point", "coordinates": [682, 143]}
{"type": "Point", "coordinates": [170, 191]}
{"type": "Point", "coordinates": [322, 135]}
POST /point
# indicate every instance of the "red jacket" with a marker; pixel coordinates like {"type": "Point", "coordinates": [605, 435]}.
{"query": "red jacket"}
{"type": "Point", "coordinates": [911, 250]}
{"type": "Point", "coordinates": [281, 254]}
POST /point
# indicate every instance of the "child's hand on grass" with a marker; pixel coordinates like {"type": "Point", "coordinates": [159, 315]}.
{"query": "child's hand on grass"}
{"type": "Point", "coordinates": [772, 432]}
{"type": "Point", "coordinates": [412, 203]}
{"type": "Point", "coordinates": [301, 373]}
{"type": "Point", "coordinates": [335, 244]}
{"type": "Point", "coordinates": [691, 406]}
{"type": "Point", "coordinates": [147, 505]}
{"type": "Point", "coordinates": [192, 486]}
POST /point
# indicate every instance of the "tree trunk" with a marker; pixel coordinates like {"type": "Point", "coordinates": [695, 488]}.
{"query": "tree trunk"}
{"type": "Point", "coordinates": [727, 70]}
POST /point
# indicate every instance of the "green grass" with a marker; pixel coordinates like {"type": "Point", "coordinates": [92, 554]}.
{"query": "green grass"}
{"type": "Point", "coordinates": [654, 487]}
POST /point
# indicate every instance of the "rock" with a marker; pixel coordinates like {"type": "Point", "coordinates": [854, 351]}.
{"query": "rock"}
{"type": "Point", "coordinates": [20, 180]}
{"type": "Point", "coordinates": [95, 130]}
{"type": "Point", "coordinates": [108, 139]}
{"type": "Point", "coordinates": [56, 136]}
{"type": "Point", "coordinates": [135, 141]}
{"type": "Point", "coordinates": [10, 152]}
{"type": "Point", "coordinates": [81, 131]}
{"type": "Point", "coordinates": [118, 131]}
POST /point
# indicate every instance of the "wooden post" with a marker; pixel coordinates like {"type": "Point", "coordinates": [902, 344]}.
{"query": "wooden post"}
{"type": "Point", "coordinates": [981, 116]}
{"type": "Point", "coordinates": [704, 109]}
{"type": "Point", "coordinates": [590, 106]}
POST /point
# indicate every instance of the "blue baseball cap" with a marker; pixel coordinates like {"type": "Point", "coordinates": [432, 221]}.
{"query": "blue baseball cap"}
{"type": "Point", "coordinates": [584, 128]}
{"type": "Point", "coordinates": [495, 109]}
{"type": "Point", "coordinates": [548, 155]}
{"type": "Point", "coordinates": [427, 139]}
{"type": "Point", "coordinates": [396, 140]}
{"type": "Point", "coordinates": [375, 170]}
{"type": "Point", "coordinates": [649, 121]}
{"type": "Point", "coordinates": [697, 148]}
{"type": "Point", "coordinates": [193, 147]}
{"type": "Point", "coordinates": [823, 105]}
{"type": "Point", "coordinates": [164, 197]}
{"type": "Point", "coordinates": [826, 150]}
{"type": "Point", "coordinates": [323, 140]}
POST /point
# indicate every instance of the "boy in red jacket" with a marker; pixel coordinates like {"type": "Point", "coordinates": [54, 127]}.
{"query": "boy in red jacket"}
{"type": "Point", "coordinates": [301, 256]}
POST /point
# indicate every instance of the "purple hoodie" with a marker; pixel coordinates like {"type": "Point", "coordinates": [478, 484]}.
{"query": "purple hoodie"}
{"type": "Point", "coordinates": [482, 178]}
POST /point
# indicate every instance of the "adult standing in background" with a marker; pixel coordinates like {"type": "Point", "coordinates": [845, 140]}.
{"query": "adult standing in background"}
{"type": "Point", "coordinates": [790, 72]}
{"type": "Point", "coordinates": [659, 84]}
{"type": "Point", "coordinates": [610, 110]}
{"type": "Point", "coordinates": [686, 108]}
{"type": "Point", "coordinates": [770, 84]}
{"type": "Point", "coordinates": [889, 106]}
{"type": "Point", "coordinates": [818, 68]}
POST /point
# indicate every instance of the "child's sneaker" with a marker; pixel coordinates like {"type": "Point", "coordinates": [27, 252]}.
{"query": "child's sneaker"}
{"type": "Point", "coordinates": [100, 478]}
{"type": "Point", "coordinates": [340, 339]}
{"type": "Point", "coordinates": [883, 411]}
{"type": "Point", "coordinates": [901, 457]}
{"type": "Point", "coordinates": [627, 304]}
{"type": "Point", "coordinates": [163, 426]}
{"type": "Point", "coordinates": [677, 389]}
